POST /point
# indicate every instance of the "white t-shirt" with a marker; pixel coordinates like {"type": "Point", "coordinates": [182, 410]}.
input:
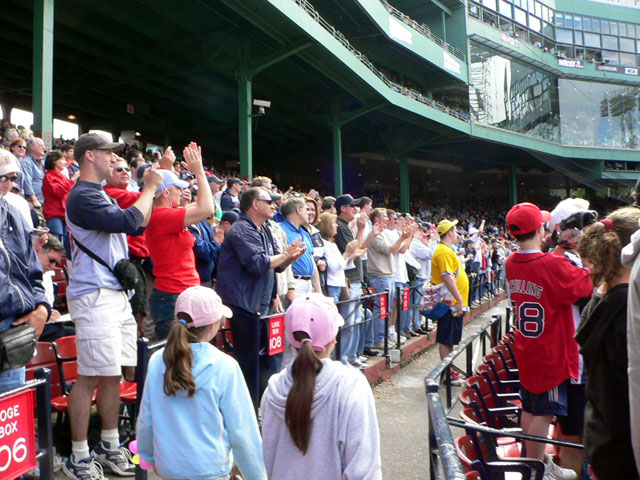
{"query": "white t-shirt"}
{"type": "Point", "coordinates": [401, 275]}
{"type": "Point", "coordinates": [22, 205]}
{"type": "Point", "coordinates": [335, 265]}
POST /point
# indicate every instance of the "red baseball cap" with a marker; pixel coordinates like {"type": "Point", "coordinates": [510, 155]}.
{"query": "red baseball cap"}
{"type": "Point", "coordinates": [524, 218]}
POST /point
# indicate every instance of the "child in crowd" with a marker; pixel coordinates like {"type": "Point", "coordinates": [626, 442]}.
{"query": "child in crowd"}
{"type": "Point", "coordinates": [318, 415]}
{"type": "Point", "coordinates": [196, 406]}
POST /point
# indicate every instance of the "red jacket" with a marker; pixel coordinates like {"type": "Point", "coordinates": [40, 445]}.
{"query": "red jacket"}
{"type": "Point", "coordinates": [55, 188]}
{"type": "Point", "coordinates": [125, 198]}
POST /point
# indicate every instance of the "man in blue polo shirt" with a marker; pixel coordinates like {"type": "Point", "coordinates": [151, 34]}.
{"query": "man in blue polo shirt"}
{"type": "Point", "coordinates": [305, 272]}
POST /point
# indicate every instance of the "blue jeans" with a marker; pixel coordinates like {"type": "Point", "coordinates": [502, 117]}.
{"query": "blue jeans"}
{"type": "Point", "coordinates": [58, 227]}
{"type": "Point", "coordinates": [162, 306]}
{"type": "Point", "coordinates": [350, 311]}
{"type": "Point", "coordinates": [403, 315]}
{"type": "Point", "coordinates": [380, 284]}
{"type": "Point", "coordinates": [415, 298]}
{"type": "Point", "coordinates": [14, 378]}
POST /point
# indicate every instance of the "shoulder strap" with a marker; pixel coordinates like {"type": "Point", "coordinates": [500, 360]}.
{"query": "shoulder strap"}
{"type": "Point", "coordinates": [92, 255]}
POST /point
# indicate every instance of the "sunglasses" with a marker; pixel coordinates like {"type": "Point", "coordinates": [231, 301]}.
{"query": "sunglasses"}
{"type": "Point", "coordinates": [120, 169]}
{"type": "Point", "coordinates": [11, 178]}
{"type": "Point", "coordinates": [268, 200]}
{"type": "Point", "coordinates": [21, 146]}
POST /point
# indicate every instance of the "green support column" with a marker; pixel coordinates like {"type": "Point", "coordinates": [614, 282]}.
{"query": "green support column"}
{"type": "Point", "coordinates": [444, 27]}
{"type": "Point", "coordinates": [244, 126]}
{"type": "Point", "coordinates": [336, 133]}
{"type": "Point", "coordinates": [43, 69]}
{"type": "Point", "coordinates": [404, 183]}
{"type": "Point", "coordinates": [513, 186]}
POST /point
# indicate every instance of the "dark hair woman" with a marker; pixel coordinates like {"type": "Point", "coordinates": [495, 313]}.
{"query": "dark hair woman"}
{"type": "Point", "coordinates": [55, 188]}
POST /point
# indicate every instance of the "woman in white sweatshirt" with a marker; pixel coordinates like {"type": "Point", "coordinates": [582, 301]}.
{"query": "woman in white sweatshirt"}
{"type": "Point", "coordinates": [318, 415]}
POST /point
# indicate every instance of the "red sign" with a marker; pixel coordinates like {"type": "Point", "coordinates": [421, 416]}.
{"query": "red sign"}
{"type": "Point", "coordinates": [405, 299]}
{"type": "Point", "coordinates": [17, 435]}
{"type": "Point", "coordinates": [276, 335]}
{"type": "Point", "coordinates": [383, 305]}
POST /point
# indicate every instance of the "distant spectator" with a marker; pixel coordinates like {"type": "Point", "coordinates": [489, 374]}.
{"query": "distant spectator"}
{"type": "Point", "coordinates": [55, 188]}
{"type": "Point", "coordinates": [214, 184]}
{"type": "Point", "coordinates": [206, 249]}
{"type": "Point", "coordinates": [227, 220]}
{"type": "Point", "coordinates": [264, 182]}
{"type": "Point", "coordinates": [230, 197]}
{"type": "Point", "coordinates": [33, 169]}
{"type": "Point", "coordinates": [135, 160]}
{"type": "Point", "coordinates": [246, 281]}
{"type": "Point", "coordinates": [167, 232]}
{"type": "Point", "coordinates": [70, 161]}
{"type": "Point", "coordinates": [328, 205]}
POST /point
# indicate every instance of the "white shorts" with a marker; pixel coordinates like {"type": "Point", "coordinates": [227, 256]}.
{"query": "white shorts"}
{"type": "Point", "coordinates": [106, 332]}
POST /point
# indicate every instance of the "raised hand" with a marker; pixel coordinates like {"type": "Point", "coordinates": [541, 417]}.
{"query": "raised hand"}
{"type": "Point", "coordinates": [193, 157]}
{"type": "Point", "coordinates": [167, 159]}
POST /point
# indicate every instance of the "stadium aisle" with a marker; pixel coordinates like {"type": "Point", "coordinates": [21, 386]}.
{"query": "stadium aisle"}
{"type": "Point", "coordinates": [401, 405]}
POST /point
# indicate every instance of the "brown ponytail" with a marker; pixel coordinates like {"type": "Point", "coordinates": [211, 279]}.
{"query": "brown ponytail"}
{"type": "Point", "coordinates": [297, 413]}
{"type": "Point", "coordinates": [602, 242]}
{"type": "Point", "coordinates": [178, 356]}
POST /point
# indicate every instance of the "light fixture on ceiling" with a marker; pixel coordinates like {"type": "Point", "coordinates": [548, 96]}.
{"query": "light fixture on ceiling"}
{"type": "Point", "coordinates": [71, 116]}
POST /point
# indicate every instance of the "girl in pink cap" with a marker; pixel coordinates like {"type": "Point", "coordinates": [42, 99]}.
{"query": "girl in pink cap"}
{"type": "Point", "coordinates": [318, 415]}
{"type": "Point", "coordinates": [196, 407]}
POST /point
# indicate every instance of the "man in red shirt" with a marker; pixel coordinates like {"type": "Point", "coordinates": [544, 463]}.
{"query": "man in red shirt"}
{"type": "Point", "coordinates": [542, 289]}
{"type": "Point", "coordinates": [116, 188]}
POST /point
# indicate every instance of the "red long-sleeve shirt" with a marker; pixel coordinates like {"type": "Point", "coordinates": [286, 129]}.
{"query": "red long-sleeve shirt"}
{"type": "Point", "coordinates": [55, 188]}
{"type": "Point", "coordinates": [125, 198]}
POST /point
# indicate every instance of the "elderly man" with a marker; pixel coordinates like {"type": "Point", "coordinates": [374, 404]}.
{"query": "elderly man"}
{"type": "Point", "coordinates": [99, 305]}
{"type": "Point", "coordinates": [246, 280]}
{"type": "Point", "coordinates": [20, 274]}
{"type": "Point", "coordinates": [33, 168]}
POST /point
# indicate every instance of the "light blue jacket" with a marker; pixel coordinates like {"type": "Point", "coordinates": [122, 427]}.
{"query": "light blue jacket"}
{"type": "Point", "coordinates": [192, 437]}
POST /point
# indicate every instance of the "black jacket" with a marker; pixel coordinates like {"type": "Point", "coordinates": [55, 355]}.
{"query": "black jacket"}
{"type": "Point", "coordinates": [602, 336]}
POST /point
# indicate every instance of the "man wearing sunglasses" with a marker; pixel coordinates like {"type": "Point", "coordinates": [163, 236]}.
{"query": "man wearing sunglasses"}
{"type": "Point", "coordinates": [20, 271]}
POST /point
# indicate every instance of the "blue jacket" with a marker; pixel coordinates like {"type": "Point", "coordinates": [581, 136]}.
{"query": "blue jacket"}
{"type": "Point", "coordinates": [20, 269]}
{"type": "Point", "coordinates": [33, 176]}
{"type": "Point", "coordinates": [206, 251]}
{"type": "Point", "coordinates": [192, 437]}
{"type": "Point", "coordinates": [244, 267]}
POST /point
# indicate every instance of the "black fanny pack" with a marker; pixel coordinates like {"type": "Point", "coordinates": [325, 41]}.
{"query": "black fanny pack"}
{"type": "Point", "coordinates": [17, 346]}
{"type": "Point", "coordinates": [125, 271]}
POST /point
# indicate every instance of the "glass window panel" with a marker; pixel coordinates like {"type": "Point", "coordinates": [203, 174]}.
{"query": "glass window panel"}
{"type": "Point", "coordinates": [520, 16]}
{"type": "Point", "coordinates": [638, 46]}
{"type": "Point", "coordinates": [568, 20]}
{"type": "Point", "coordinates": [627, 45]}
{"type": "Point", "coordinates": [595, 25]}
{"type": "Point", "coordinates": [609, 42]}
{"type": "Point", "coordinates": [627, 59]}
{"type": "Point", "coordinates": [547, 30]}
{"type": "Point", "coordinates": [631, 30]}
{"type": "Point", "coordinates": [564, 36]}
{"type": "Point", "coordinates": [610, 57]}
{"type": "Point", "coordinates": [578, 38]}
{"type": "Point", "coordinates": [587, 24]}
{"type": "Point", "coordinates": [534, 23]}
{"type": "Point", "coordinates": [560, 19]}
{"type": "Point", "coordinates": [604, 26]}
{"type": "Point", "coordinates": [577, 22]}
{"type": "Point", "coordinates": [489, 4]}
{"type": "Point", "coordinates": [622, 30]}
{"type": "Point", "coordinates": [505, 9]}
{"type": "Point", "coordinates": [592, 40]}
{"type": "Point", "coordinates": [538, 10]}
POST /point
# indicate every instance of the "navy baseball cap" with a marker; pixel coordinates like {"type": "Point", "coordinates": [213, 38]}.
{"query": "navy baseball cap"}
{"type": "Point", "coordinates": [344, 201]}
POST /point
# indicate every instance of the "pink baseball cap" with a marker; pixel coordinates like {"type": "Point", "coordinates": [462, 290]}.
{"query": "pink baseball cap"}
{"type": "Point", "coordinates": [203, 305]}
{"type": "Point", "coordinates": [315, 315]}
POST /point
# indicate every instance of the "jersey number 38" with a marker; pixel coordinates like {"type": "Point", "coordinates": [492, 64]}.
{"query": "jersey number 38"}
{"type": "Point", "coordinates": [529, 318]}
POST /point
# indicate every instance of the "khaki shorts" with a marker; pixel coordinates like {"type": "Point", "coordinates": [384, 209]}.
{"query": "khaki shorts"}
{"type": "Point", "coordinates": [106, 332]}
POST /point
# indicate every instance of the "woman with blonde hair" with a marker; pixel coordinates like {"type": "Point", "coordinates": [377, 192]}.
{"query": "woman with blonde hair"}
{"type": "Point", "coordinates": [602, 336]}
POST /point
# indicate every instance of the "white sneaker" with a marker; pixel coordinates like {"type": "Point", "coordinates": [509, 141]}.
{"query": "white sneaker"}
{"type": "Point", "coordinates": [556, 472]}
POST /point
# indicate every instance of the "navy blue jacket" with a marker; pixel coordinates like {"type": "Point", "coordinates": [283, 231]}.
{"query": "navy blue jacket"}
{"type": "Point", "coordinates": [206, 251]}
{"type": "Point", "coordinates": [244, 267]}
{"type": "Point", "coordinates": [20, 270]}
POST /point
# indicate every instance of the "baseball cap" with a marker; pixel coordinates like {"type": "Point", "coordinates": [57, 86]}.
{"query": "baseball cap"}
{"type": "Point", "coordinates": [566, 208]}
{"type": "Point", "coordinates": [203, 305]}
{"type": "Point", "coordinates": [231, 181]}
{"type": "Point", "coordinates": [546, 215]}
{"type": "Point", "coordinates": [229, 216]}
{"type": "Point", "coordinates": [523, 218]}
{"type": "Point", "coordinates": [94, 141]}
{"type": "Point", "coordinates": [170, 180]}
{"type": "Point", "coordinates": [275, 196]}
{"type": "Point", "coordinates": [8, 163]}
{"type": "Point", "coordinates": [315, 315]}
{"type": "Point", "coordinates": [213, 178]}
{"type": "Point", "coordinates": [445, 225]}
{"type": "Point", "coordinates": [344, 200]}
{"type": "Point", "coordinates": [186, 175]}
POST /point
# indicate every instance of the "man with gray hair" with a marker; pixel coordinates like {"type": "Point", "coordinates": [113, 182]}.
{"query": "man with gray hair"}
{"type": "Point", "coordinates": [33, 168]}
{"type": "Point", "coordinates": [296, 219]}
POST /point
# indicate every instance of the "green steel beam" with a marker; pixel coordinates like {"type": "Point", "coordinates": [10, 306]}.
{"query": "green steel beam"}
{"type": "Point", "coordinates": [513, 186]}
{"type": "Point", "coordinates": [344, 119]}
{"type": "Point", "coordinates": [404, 183]}
{"type": "Point", "coordinates": [336, 134]}
{"type": "Point", "coordinates": [260, 64]}
{"type": "Point", "coordinates": [43, 69]}
{"type": "Point", "coordinates": [244, 126]}
{"type": "Point", "coordinates": [441, 7]}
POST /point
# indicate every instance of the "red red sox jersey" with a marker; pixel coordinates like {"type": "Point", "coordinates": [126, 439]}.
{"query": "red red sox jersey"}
{"type": "Point", "coordinates": [542, 289]}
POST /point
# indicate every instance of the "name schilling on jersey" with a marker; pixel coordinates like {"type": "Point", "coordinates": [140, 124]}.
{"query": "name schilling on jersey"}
{"type": "Point", "coordinates": [525, 287]}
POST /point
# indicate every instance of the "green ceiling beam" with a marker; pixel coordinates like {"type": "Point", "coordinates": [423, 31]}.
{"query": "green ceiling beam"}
{"type": "Point", "coordinates": [43, 69]}
{"type": "Point", "coordinates": [259, 64]}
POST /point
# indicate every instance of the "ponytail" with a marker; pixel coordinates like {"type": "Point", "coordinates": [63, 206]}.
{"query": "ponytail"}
{"type": "Point", "coordinates": [297, 414]}
{"type": "Point", "coordinates": [178, 356]}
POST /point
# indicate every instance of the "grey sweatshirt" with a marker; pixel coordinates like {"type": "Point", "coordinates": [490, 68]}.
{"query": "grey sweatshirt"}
{"type": "Point", "coordinates": [344, 443]}
{"type": "Point", "coordinates": [630, 258]}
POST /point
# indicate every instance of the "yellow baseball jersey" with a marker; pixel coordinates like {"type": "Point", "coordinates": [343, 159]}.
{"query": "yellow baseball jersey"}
{"type": "Point", "coordinates": [446, 260]}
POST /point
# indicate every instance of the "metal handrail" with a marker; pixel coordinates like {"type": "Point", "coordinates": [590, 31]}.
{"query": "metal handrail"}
{"type": "Point", "coordinates": [422, 28]}
{"type": "Point", "coordinates": [408, 92]}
